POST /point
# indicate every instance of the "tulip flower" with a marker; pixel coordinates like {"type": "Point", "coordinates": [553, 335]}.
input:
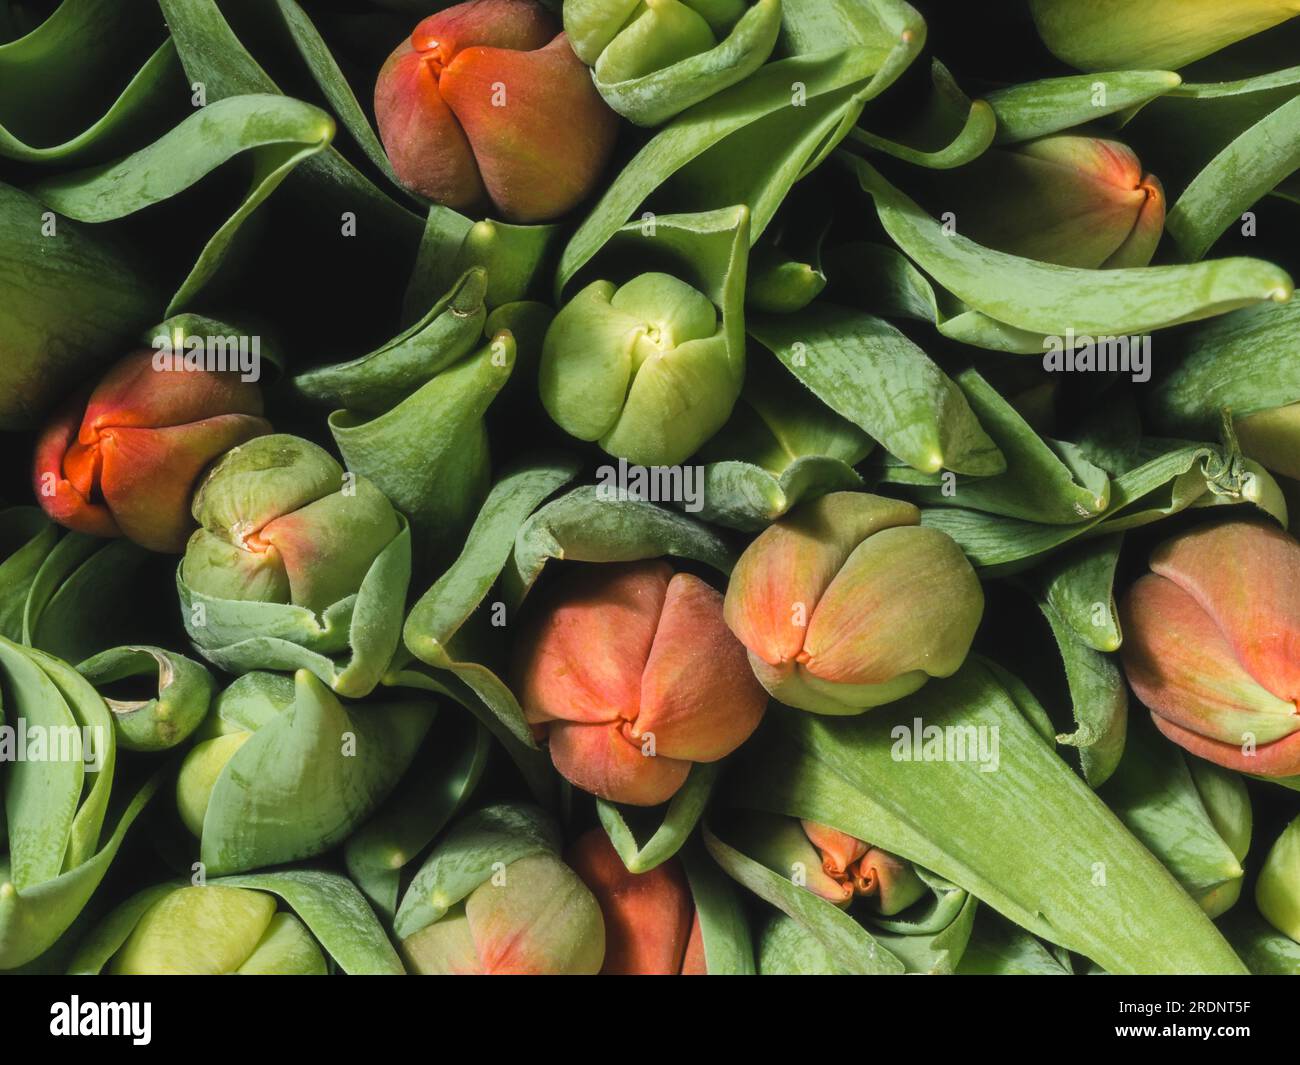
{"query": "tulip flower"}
{"type": "Point", "coordinates": [1277, 892]}
{"type": "Point", "coordinates": [283, 770]}
{"type": "Point", "coordinates": [236, 927]}
{"type": "Point", "coordinates": [653, 59]}
{"type": "Point", "coordinates": [643, 368]}
{"type": "Point", "coordinates": [651, 928]}
{"type": "Point", "coordinates": [485, 104]}
{"type": "Point", "coordinates": [830, 863]}
{"type": "Point", "coordinates": [1065, 199]}
{"type": "Point", "coordinates": [282, 523]}
{"type": "Point", "coordinates": [633, 675]}
{"type": "Point", "coordinates": [1154, 35]}
{"type": "Point", "coordinates": [1210, 645]}
{"type": "Point", "coordinates": [125, 461]}
{"type": "Point", "coordinates": [292, 552]}
{"type": "Point", "coordinates": [215, 931]}
{"type": "Point", "coordinates": [848, 603]}
{"type": "Point", "coordinates": [494, 899]}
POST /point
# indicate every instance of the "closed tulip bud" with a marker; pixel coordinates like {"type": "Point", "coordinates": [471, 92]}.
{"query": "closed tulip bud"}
{"type": "Point", "coordinates": [282, 523]}
{"type": "Point", "coordinates": [649, 917]}
{"type": "Point", "coordinates": [1272, 438]}
{"type": "Point", "coordinates": [643, 368]}
{"type": "Point", "coordinates": [634, 676]}
{"type": "Point", "coordinates": [1277, 892]}
{"type": "Point", "coordinates": [534, 917]}
{"type": "Point", "coordinates": [124, 462]}
{"type": "Point", "coordinates": [1210, 645]}
{"type": "Point", "coordinates": [214, 931]}
{"type": "Point", "coordinates": [1070, 200]}
{"type": "Point", "coordinates": [849, 603]}
{"type": "Point", "coordinates": [485, 105]}
{"type": "Point", "coordinates": [1155, 35]}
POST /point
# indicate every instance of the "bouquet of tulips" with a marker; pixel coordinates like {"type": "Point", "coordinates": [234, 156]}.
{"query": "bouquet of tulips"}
{"type": "Point", "coordinates": [649, 487]}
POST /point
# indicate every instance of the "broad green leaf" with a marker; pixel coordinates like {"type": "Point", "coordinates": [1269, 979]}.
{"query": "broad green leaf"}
{"type": "Point", "coordinates": [1043, 481]}
{"type": "Point", "coordinates": [871, 374]}
{"type": "Point", "coordinates": [445, 608]}
{"type": "Point", "coordinates": [724, 924]}
{"type": "Point", "coordinates": [1049, 299]}
{"type": "Point", "coordinates": [1030, 839]}
{"type": "Point", "coordinates": [277, 132]}
{"type": "Point", "coordinates": [1037, 108]}
{"type": "Point", "coordinates": [1242, 173]}
{"type": "Point", "coordinates": [580, 526]}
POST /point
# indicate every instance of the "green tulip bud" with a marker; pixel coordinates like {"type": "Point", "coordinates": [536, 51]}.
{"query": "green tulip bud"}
{"type": "Point", "coordinates": [494, 898]}
{"type": "Point", "coordinates": [282, 523]}
{"type": "Point", "coordinates": [652, 59]}
{"type": "Point", "coordinates": [643, 368]}
{"type": "Point", "coordinates": [215, 931]}
{"type": "Point", "coordinates": [1277, 892]}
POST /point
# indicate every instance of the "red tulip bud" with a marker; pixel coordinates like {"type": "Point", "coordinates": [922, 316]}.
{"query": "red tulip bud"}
{"type": "Point", "coordinates": [486, 103]}
{"type": "Point", "coordinates": [648, 916]}
{"type": "Point", "coordinates": [125, 461]}
{"type": "Point", "coordinates": [1212, 645]}
{"type": "Point", "coordinates": [635, 675]}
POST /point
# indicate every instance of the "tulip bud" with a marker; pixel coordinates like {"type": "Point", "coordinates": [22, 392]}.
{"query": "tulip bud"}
{"type": "Point", "coordinates": [125, 461]}
{"type": "Point", "coordinates": [215, 931]}
{"type": "Point", "coordinates": [652, 60]}
{"type": "Point", "coordinates": [494, 898]}
{"type": "Point", "coordinates": [634, 675]}
{"type": "Point", "coordinates": [486, 103]}
{"type": "Point", "coordinates": [1272, 438]}
{"type": "Point", "coordinates": [1070, 200]}
{"type": "Point", "coordinates": [644, 369]}
{"type": "Point", "coordinates": [1154, 35]}
{"type": "Point", "coordinates": [282, 523]}
{"type": "Point", "coordinates": [1277, 892]}
{"type": "Point", "coordinates": [848, 603]}
{"type": "Point", "coordinates": [1210, 645]}
{"type": "Point", "coordinates": [649, 917]}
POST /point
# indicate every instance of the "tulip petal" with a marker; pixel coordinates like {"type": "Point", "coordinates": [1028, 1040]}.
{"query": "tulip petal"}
{"type": "Point", "coordinates": [148, 475]}
{"type": "Point", "coordinates": [507, 103]}
{"type": "Point", "coordinates": [542, 920]}
{"type": "Point", "coordinates": [647, 915]}
{"type": "Point", "coordinates": [602, 760]}
{"type": "Point", "coordinates": [429, 151]}
{"type": "Point", "coordinates": [137, 394]}
{"type": "Point", "coordinates": [695, 963]}
{"type": "Point", "coordinates": [61, 498]}
{"type": "Point", "coordinates": [1182, 668]}
{"type": "Point", "coordinates": [1246, 576]}
{"type": "Point", "coordinates": [838, 849]}
{"type": "Point", "coordinates": [782, 575]}
{"type": "Point", "coordinates": [583, 655]}
{"type": "Point", "coordinates": [905, 601]}
{"type": "Point", "coordinates": [698, 695]}
{"type": "Point", "coordinates": [1281, 758]}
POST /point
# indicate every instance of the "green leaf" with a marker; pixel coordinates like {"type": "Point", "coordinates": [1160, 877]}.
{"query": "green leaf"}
{"type": "Point", "coordinates": [445, 608]}
{"type": "Point", "coordinates": [1042, 481]}
{"type": "Point", "coordinates": [277, 132]}
{"type": "Point", "coordinates": [724, 925]}
{"type": "Point", "coordinates": [582, 527]}
{"type": "Point", "coordinates": [1050, 105]}
{"type": "Point", "coordinates": [1241, 174]}
{"type": "Point", "coordinates": [679, 820]}
{"type": "Point", "coordinates": [307, 777]}
{"type": "Point", "coordinates": [871, 374]}
{"type": "Point", "coordinates": [1049, 299]}
{"type": "Point", "coordinates": [1031, 839]}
